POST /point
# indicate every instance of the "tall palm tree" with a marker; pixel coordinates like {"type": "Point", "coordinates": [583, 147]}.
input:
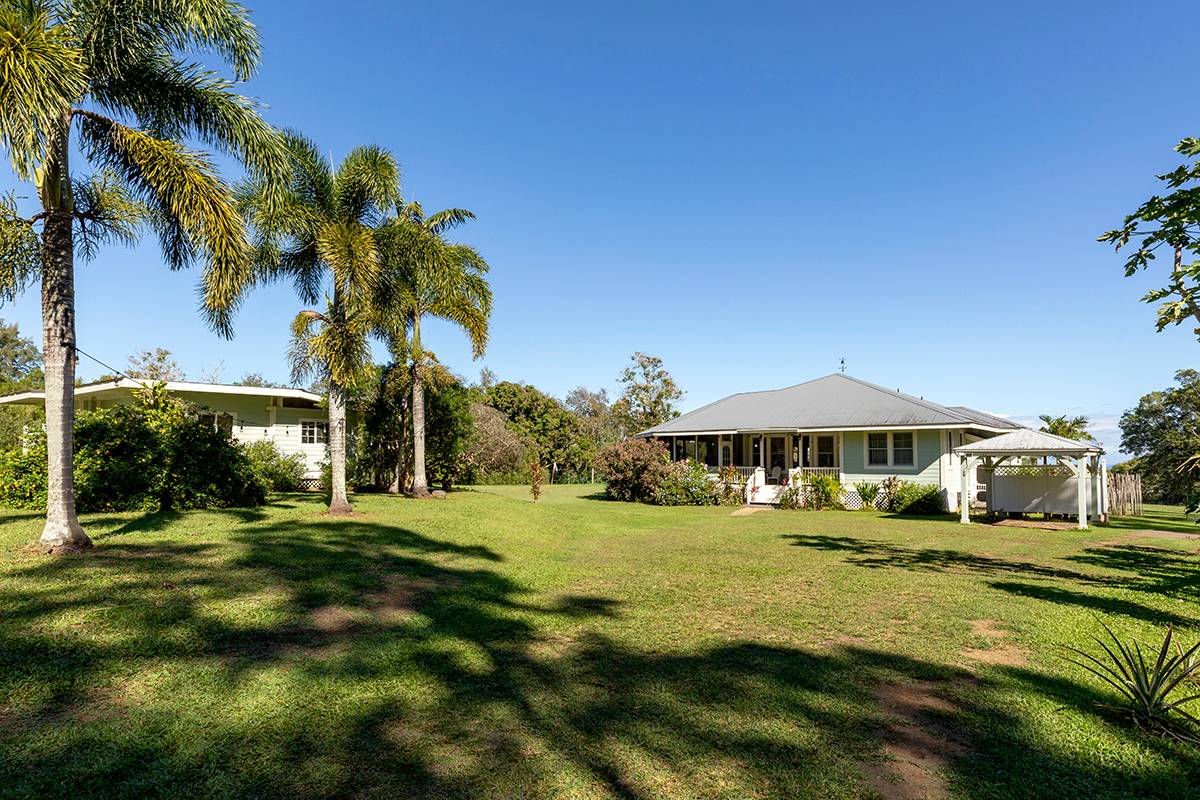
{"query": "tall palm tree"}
{"type": "Point", "coordinates": [322, 235]}
{"type": "Point", "coordinates": [432, 277]}
{"type": "Point", "coordinates": [1067, 427]}
{"type": "Point", "coordinates": [110, 77]}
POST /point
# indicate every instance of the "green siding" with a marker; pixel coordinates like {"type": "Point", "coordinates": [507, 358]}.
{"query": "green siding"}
{"type": "Point", "coordinates": [926, 470]}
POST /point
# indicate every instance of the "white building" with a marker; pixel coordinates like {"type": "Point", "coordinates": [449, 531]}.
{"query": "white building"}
{"type": "Point", "coordinates": [293, 419]}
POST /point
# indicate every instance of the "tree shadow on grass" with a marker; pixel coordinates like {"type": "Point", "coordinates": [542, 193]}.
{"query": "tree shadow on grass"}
{"type": "Point", "coordinates": [387, 663]}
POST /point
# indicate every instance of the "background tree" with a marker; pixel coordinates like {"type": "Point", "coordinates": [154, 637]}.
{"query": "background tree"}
{"type": "Point", "coordinates": [110, 80]}
{"type": "Point", "coordinates": [257, 379]}
{"type": "Point", "coordinates": [1163, 434]}
{"type": "Point", "coordinates": [495, 451]}
{"type": "Point", "coordinates": [1067, 427]}
{"type": "Point", "coordinates": [598, 424]}
{"type": "Point", "coordinates": [154, 365]}
{"type": "Point", "coordinates": [321, 235]}
{"type": "Point", "coordinates": [432, 277]}
{"type": "Point", "coordinates": [1171, 221]}
{"type": "Point", "coordinates": [555, 434]}
{"type": "Point", "coordinates": [20, 371]}
{"type": "Point", "coordinates": [649, 395]}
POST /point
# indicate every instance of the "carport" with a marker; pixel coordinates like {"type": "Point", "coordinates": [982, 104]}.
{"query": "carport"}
{"type": "Point", "coordinates": [1021, 477]}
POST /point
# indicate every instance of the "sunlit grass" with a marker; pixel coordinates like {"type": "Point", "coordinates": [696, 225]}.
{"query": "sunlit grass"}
{"type": "Point", "coordinates": [488, 646]}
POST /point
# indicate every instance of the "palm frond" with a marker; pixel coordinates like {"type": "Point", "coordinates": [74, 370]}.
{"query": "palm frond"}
{"type": "Point", "coordinates": [445, 220]}
{"type": "Point", "coordinates": [41, 75]}
{"type": "Point", "coordinates": [189, 201]}
{"type": "Point", "coordinates": [368, 183]}
{"type": "Point", "coordinates": [106, 212]}
{"type": "Point", "coordinates": [20, 251]}
{"type": "Point", "coordinates": [177, 100]}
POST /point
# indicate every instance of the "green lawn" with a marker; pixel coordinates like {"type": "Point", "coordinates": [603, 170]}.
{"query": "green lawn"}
{"type": "Point", "coordinates": [484, 646]}
{"type": "Point", "coordinates": [1162, 518]}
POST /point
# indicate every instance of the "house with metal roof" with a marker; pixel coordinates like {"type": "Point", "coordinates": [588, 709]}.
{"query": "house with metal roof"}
{"type": "Point", "coordinates": [836, 425]}
{"type": "Point", "coordinates": [294, 419]}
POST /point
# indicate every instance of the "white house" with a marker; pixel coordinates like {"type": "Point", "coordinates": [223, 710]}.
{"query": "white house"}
{"type": "Point", "coordinates": [836, 425]}
{"type": "Point", "coordinates": [293, 419]}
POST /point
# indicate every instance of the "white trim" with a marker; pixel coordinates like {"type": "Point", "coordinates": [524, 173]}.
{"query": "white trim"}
{"type": "Point", "coordinates": [173, 386]}
{"type": "Point", "coordinates": [850, 429]}
{"type": "Point", "coordinates": [300, 433]}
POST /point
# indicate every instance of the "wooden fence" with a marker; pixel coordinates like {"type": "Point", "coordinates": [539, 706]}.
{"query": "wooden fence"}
{"type": "Point", "coordinates": [1124, 495]}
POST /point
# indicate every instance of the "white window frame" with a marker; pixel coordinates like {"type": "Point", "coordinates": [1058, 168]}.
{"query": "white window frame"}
{"type": "Point", "coordinates": [891, 465]}
{"type": "Point", "coordinates": [315, 421]}
{"type": "Point", "coordinates": [237, 423]}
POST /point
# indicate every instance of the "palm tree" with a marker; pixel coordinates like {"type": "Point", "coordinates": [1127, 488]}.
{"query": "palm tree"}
{"type": "Point", "coordinates": [1067, 427]}
{"type": "Point", "coordinates": [109, 78]}
{"type": "Point", "coordinates": [432, 277]}
{"type": "Point", "coordinates": [322, 235]}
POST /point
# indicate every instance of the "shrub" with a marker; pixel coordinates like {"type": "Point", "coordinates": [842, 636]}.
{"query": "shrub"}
{"type": "Point", "coordinates": [917, 498]}
{"type": "Point", "coordinates": [887, 493]}
{"type": "Point", "coordinates": [632, 470]}
{"type": "Point", "coordinates": [1148, 687]}
{"type": "Point", "coordinates": [791, 497]}
{"type": "Point", "coordinates": [137, 458]}
{"type": "Point", "coordinates": [276, 471]}
{"type": "Point", "coordinates": [687, 483]}
{"type": "Point", "coordinates": [535, 480]}
{"type": "Point", "coordinates": [731, 487]}
{"type": "Point", "coordinates": [823, 491]}
{"type": "Point", "coordinates": [868, 491]}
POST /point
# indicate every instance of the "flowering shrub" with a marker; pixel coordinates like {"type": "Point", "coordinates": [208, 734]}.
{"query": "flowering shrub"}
{"type": "Point", "coordinates": [632, 470]}
{"type": "Point", "coordinates": [687, 483]}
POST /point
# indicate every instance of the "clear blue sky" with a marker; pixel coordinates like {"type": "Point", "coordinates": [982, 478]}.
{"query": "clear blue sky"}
{"type": "Point", "coordinates": [751, 192]}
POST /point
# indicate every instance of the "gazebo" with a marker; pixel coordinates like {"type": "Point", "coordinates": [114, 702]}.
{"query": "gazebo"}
{"type": "Point", "coordinates": [1021, 478]}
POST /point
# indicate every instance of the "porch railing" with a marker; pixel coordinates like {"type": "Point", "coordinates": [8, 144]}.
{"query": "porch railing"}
{"type": "Point", "coordinates": [801, 472]}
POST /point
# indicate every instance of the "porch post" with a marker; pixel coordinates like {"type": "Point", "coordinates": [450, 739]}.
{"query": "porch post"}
{"type": "Point", "coordinates": [964, 497]}
{"type": "Point", "coordinates": [1081, 479]}
{"type": "Point", "coordinates": [720, 450]}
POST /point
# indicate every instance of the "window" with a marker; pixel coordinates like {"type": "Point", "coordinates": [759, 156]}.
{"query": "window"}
{"type": "Point", "coordinates": [824, 451]}
{"type": "Point", "coordinates": [902, 449]}
{"type": "Point", "coordinates": [312, 432]}
{"type": "Point", "coordinates": [222, 423]}
{"type": "Point", "coordinates": [877, 449]}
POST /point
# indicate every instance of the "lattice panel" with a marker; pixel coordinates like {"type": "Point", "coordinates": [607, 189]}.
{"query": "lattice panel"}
{"type": "Point", "coordinates": [1032, 470]}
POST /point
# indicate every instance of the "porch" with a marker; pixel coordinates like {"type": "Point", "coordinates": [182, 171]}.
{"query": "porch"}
{"type": "Point", "coordinates": [766, 458]}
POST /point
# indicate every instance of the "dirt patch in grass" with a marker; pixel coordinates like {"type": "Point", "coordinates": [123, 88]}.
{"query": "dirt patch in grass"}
{"type": "Point", "coordinates": [1040, 524]}
{"type": "Point", "coordinates": [1154, 534]}
{"type": "Point", "coordinates": [746, 511]}
{"type": "Point", "coordinates": [918, 742]}
{"type": "Point", "coordinates": [1002, 652]}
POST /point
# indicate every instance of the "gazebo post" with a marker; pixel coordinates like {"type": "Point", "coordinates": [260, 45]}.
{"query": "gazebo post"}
{"type": "Point", "coordinates": [1081, 483]}
{"type": "Point", "coordinates": [964, 497]}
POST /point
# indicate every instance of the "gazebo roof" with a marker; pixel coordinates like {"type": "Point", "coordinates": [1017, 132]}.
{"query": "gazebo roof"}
{"type": "Point", "coordinates": [1028, 442]}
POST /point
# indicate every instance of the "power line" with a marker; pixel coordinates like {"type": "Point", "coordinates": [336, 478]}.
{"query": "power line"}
{"type": "Point", "coordinates": [110, 367]}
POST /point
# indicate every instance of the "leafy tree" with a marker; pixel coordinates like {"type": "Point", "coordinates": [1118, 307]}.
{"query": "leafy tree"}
{"type": "Point", "coordinates": [431, 277]}
{"type": "Point", "coordinates": [495, 451]}
{"type": "Point", "coordinates": [1067, 427]}
{"type": "Point", "coordinates": [20, 370]}
{"type": "Point", "coordinates": [323, 232]}
{"type": "Point", "coordinates": [154, 365]}
{"type": "Point", "coordinates": [448, 417]}
{"type": "Point", "coordinates": [555, 433]}
{"type": "Point", "coordinates": [256, 379]}
{"type": "Point", "coordinates": [598, 423]}
{"type": "Point", "coordinates": [1172, 221]}
{"type": "Point", "coordinates": [113, 81]}
{"type": "Point", "coordinates": [649, 396]}
{"type": "Point", "coordinates": [1163, 434]}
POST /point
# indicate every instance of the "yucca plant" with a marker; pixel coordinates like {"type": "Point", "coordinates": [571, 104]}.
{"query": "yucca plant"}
{"type": "Point", "coordinates": [1148, 688]}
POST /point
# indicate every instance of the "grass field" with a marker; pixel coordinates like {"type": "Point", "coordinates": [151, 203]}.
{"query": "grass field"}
{"type": "Point", "coordinates": [484, 646]}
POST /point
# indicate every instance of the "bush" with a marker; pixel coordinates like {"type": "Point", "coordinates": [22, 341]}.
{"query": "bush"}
{"type": "Point", "coordinates": [791, 497]}
{"type": "Point", "coordinates": [917, 498]}
{"type": "Point", "coordinates": [731, 487]}
{"type": "Point", "coordinates": [824, 491]}
{"type": "Point", "coordinates": [276, 471]}
{"type": "Point", "coordinates": [535, 480]}
{"type": "Point", "coordinates": [148, 456]}
{"type": "Point", "coordinates": [687, 483]}
{"type": "Point", "coordinates": [868, 491]}
{"type": "Point", "coordinates": [632, 470]}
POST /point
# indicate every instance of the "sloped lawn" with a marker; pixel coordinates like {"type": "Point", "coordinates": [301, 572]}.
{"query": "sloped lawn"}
{"type": "Point", "coordinates": [484, 646]}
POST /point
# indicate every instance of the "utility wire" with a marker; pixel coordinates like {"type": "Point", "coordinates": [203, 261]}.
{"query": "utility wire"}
{"type": "Point", "coordinates": [110, 367]}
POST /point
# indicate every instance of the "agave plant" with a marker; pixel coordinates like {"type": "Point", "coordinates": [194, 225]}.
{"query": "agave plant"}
{"type": "Point", "coordinates": [1148, 688]}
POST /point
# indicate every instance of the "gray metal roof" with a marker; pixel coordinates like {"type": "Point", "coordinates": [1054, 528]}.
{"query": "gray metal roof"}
{"type": "Point", "coordinates": [833, 402]}
{"type": "Point", "coordinates": [1027, 441]}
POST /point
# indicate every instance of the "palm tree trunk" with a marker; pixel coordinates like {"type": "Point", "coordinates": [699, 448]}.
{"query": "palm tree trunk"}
{"type": "Point", "coordinates": [339, 503]}
{"type": "Point", "coordinates": [420, 486]}
{"type": "Point", "coordinates": [62, 532]}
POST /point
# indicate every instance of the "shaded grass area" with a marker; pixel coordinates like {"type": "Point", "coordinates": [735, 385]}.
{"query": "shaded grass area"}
{"type": "Point", "coordinates": [485, 646]}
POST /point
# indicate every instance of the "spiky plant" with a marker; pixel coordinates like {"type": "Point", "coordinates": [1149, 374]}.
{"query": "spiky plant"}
{"type": "Point", "coordinates": [429, 276]}
{"type": "Point", "coordinates": [1149, 688]}
{"type": "Point", "coordinates": [113, 79]}
{"type": "Point", "coordinates": [322, 235]}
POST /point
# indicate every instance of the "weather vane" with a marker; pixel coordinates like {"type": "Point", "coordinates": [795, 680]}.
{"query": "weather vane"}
{"type": "Point", "coordinates": [843, 367]}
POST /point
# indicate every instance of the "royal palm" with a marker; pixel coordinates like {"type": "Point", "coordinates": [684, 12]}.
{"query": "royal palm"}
{"type": "Point", "coordinates": [322, 235]}
{"type": "Point", "coordinates": [109, 78]}
{"type": "Point", "coordinates": [432, 277]}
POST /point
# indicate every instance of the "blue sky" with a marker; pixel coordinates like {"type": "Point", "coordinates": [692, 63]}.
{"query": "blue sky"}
{"type": "Point", "coordinates": [751, 192]}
